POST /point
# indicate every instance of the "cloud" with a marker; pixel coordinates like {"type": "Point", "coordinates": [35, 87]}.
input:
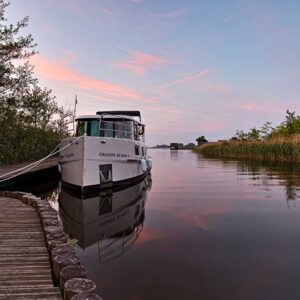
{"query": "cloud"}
{"type": "Point", "coordinates": [136, 1]}
{"type": "Point", "coordinates": [60, 73]}
{"type": "Point", "coordinates": [188, 78]}
{"type": "Point", "coordinates": [106, 11]}
{"type": "Point", "coordinates": [139, 63]}
{"type": "Point", "coordinates": [201, 82]}
{"type": "Point", "coordinates": [172, 15]}
{"type": "Point", "coordinates": [236, 15]}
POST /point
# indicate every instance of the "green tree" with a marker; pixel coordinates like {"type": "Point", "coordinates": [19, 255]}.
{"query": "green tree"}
{"type": "Point", "coordinates": [201, 140]}
{"type": "Point", "coordinates": [241, 135]}
{"type": "Point", "coordinates": [31, 123]}
{"type": "Point", "coordinates": [266, 130]}
{"type": "Point", "coordinates": [290, 126]}
{"type": "Point", "coordinates": [14, 78]}
{"type": "Point", "coordinates": [253, 134]}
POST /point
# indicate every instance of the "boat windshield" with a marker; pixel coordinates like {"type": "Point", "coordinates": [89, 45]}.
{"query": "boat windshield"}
{"type": "Point", "coordinates": [89, 127]}
{"type": "Point", "coordinates": [111, 127]}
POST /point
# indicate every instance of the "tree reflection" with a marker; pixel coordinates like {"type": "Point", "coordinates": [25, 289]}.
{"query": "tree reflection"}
{"type": "Point", "coordinates": [271, 173]}
{"type": "Point", "coordinates": [268, 174]}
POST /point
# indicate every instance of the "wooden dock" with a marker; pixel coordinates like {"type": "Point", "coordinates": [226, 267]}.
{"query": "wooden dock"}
{"type": "Point", "coordinates": [25, 270]}
{"type": "Point", "coordinates": [43, 170]}
{"type": "Point", "coordinates": [48, 163]}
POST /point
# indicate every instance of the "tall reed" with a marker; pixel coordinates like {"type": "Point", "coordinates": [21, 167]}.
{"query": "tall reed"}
{"type": "Point", "coordinates": [279, 148]}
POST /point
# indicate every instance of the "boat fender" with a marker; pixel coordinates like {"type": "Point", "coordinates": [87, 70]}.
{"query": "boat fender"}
{"type": "Point", "coordinates": [144, 165]}
{"type": "Point", "coordinates": [149, 163]}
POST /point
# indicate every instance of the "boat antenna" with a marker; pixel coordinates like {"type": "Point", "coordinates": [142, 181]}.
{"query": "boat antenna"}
{"type": "Point", "coordinates": [74, 116]}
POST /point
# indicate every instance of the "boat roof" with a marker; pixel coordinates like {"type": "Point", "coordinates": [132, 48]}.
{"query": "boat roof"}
{"type": "Point", "coordinates": [130, 113]}
{"type": "Point", "coordinates": [106, 116]}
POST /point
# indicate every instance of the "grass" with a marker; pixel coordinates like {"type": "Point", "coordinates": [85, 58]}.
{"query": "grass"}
{"type": "Point", "coordinates": [279, 149]}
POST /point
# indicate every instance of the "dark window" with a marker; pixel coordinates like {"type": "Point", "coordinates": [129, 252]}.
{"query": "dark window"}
{"type": "Point", "coordinates": [87, 127]}
{"type": "Point", "coordinates": [143, 151]}
{"type": "Point", "coordinates": [136, 150]}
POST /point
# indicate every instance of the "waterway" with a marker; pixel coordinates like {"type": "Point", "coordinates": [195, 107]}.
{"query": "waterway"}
{"type": "Point", "coordinates": [199, 228]}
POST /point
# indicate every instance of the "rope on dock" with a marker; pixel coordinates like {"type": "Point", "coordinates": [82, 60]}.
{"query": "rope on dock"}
{"type": "Point", "coordinates": [34, 164]}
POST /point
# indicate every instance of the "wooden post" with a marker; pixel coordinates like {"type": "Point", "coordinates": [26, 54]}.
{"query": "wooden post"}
{"type": "Point", "coordinates": [55, 243]}
{"type": "Point", "coordinates": [50, 222]}
{"type": "Point", "coordinates": [69, 272]}
{"type": "Point", "coordinates": [52, 229]}
{"type": "Point", "coordinates": [76, 286]}
{"type": "Point", "coordinates": [62, 250]}
{"type": "Point", "coordinates": [61, 261]}
{"type": "Point", "coordinates": [86, 296]}
{"type": "Point", "coordinates": [57, 236]}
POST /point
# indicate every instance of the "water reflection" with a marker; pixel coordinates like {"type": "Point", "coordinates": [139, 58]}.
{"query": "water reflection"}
{"type": "Point", "coordinates": [112, 219]}
{"type": "Point", "coordinates": [267, 174]}
{"type": "Point", "coordinates": [285, 174]}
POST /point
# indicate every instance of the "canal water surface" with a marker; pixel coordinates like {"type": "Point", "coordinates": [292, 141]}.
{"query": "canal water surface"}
{"type": "Point", "coordinates": [200, 228]}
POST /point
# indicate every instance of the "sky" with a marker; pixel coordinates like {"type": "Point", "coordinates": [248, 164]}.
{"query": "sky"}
{"type": "Point", "coordinates": [192, 67]}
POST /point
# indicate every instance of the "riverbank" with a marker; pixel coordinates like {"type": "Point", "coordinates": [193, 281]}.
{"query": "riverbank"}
{"type": "Point", "coordinates": [277, 149]}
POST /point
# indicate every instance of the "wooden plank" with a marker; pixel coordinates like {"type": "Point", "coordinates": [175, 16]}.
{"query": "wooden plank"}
{"type": "Point", "coordinates": [25, 269]}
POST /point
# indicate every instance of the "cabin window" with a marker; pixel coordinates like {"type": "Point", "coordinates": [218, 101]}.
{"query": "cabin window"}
{"type": "Point", "coordinates": [136, 150]}
{"type": "Point", "coordinates": [107, 128]}
{"type": "Point", "coordinates": [116, 128]}
{"type": "Point", "coordinates": [87, 127]}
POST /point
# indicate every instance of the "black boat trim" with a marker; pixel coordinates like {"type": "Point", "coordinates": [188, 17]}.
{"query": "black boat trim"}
{"type": "Point", "coordinates": [90, 190]}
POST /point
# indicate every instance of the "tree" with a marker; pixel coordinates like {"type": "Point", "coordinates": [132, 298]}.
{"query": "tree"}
{"type": "Point", "coordinates": [31, 123]}
{"type": "Point", "coordinates": [14, 78]}
{"type": "Point", "coordinates": [290, 126]}
{"type": "Point", "coordinates": [266, 130]}
{"type": "Point", "coordinates": [241, 135]}
{"type": "Point", "coordinates": [201, 140]}
{"type": "Point", "coordinates": [253, 134]}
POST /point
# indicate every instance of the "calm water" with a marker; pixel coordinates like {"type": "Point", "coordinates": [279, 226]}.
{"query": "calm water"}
{"type": "Point", "coordinates": [201, 229]}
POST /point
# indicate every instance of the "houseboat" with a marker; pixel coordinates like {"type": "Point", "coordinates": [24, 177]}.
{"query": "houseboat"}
{"type": "Point", "coordinates": [108, 150]}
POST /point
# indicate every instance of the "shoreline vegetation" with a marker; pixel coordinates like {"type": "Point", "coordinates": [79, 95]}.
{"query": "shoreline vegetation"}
{"type": "Point", "coordinates": [281, 143]}
{"type": "Point", "coordinates": [31, 122]}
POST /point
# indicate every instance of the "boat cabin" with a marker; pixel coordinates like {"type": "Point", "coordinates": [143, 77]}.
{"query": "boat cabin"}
{"type": "Point", "coordinates": [112, 124]}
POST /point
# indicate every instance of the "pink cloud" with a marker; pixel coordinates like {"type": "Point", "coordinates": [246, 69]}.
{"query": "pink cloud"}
{"type": "Point", "coordinates": [139, 63]}
{"type": "Point", "coordinates": [106, 11]}
{"type": "Point", "coordinates": [61, 73]}
{"type": "Point", "coordinates": [249, 106]}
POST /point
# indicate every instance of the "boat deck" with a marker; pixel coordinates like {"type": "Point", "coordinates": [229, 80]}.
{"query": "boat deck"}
{"type": "Point", "coordinates": [25, 270]}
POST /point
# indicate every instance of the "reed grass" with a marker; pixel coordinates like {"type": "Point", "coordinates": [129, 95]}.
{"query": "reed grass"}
{"type": "Point", "coordinates": [278, 148]}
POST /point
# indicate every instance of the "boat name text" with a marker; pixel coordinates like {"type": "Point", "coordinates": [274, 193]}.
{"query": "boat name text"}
{"type": "Point", "coordinates": [114, 155]}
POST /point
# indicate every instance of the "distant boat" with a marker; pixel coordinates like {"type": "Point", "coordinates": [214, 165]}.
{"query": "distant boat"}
{"type": "Point", "coordinates": [174, 146]}
{"type": "Point", "coordinates": [108, 150]}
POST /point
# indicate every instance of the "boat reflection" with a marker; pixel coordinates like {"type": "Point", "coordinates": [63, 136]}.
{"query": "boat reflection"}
{"type": "Point", "coordinates": [113, 219]}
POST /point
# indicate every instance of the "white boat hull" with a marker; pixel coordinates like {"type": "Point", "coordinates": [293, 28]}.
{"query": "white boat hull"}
{"type": "Point", "coordinates": [101, 162]}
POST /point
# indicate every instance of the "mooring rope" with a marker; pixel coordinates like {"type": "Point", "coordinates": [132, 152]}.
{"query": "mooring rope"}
{"type": "Point", "coordinates": [34, 164]}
